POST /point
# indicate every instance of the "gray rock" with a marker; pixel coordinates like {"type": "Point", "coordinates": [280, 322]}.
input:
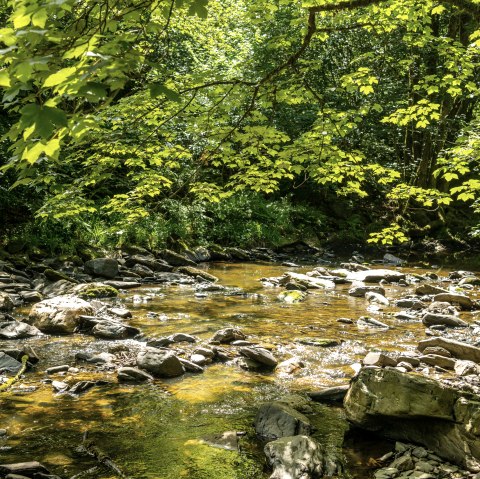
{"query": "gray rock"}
{"type": "Point", "coordinates": [376, 275]}
{"type": "Point", "coordinates": [227, 440]}
{"type": "Point", "coordinates": [464, 368]}
{"type": "Point", "coordinates": [9, 364]}
{"type": "Point", "coordinates": [197, 273]}
{"type": "Point", "coordinates": [277, 419]}
{"type": "Point", "coordinates": [17, 330]}
{"type": "Point", "coordinates": [360, 291]}
{"type": "Point", "coordinates": [160, 363]}
{"type": "Point", "coordinates": [378, 359]}
{"type": "Point", "coordinates": [260, 355]}
{"type": "Point", "coordinates": [373, 297]}
{"type": "Point", "coordinates": [228, 335]}
{"type": "Point", "coordinates": [176, 259]}
{"type": "Point", "coordinates": [159, 342]}
{"type": "Point", "coordinates": [58, 369]}
{"type": "Point", "coordinates": [295, 457]}
{"type": "Point", "coordinates": [182, 337]}
{"type": "Point", "coordinates": [423, 410]}
{"type": "Point", "coordinates": [59, 386]}
{"type": "Point", "coordinates": [120, 312]}
{"type": "Point", "coordinates": [6, 303]}
{"type": "Point", "coordinates": [463, 301]}
{"type": "Point", "coordinates": [23, 468]}
{"type": "Point", "coordinates": [458, 349]}
{"type": "Point", "coordinates": [191, 366]}
{"type": "Point", "coordinates": [403, 463]}
{"type": "Point", "coordinates": [105, 267]}
{"type": "Point", "coordinates": [132, 375]}
{"type": "Point", "coordinates": [438, 351]}
{"type": "Point", "coordinates": [199, 359]}
{"type": "Point", "coordinates": [123, 284]}
{"type": "Point", "coordinates": [431, 319]}
{"type": "Point", "coordinates": [333, 394]}
{"type": "Point", "coordinates": [440, 361]}
{"type": "Point", "coordinates": [429, 289]}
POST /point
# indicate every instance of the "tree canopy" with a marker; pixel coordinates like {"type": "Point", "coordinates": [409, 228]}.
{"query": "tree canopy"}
{"type": "Point", "coordinates": [113, 106]}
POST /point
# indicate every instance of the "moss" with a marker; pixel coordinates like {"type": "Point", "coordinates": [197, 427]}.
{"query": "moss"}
{"type": "Point", "coordinates": [97, 291]}
{"type": "Point", "coordinates": [294, 296]}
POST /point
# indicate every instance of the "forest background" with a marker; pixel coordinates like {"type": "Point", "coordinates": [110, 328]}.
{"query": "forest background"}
{"type": "Point", "coordinates": [238, 122]}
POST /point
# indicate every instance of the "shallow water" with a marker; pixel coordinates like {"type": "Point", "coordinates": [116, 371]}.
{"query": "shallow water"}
{"type": "Point", "coordinates": [156, 430]}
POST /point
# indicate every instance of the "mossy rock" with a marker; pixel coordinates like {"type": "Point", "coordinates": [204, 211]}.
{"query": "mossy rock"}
{"type": "Point", "coordinates": [95, 290]}
{"type": "Point", "coordinates": [54, 275]}
{"type": "Point", "coordinates": [294, 296]}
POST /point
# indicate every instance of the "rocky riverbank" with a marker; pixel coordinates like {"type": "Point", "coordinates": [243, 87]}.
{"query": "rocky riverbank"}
{"type": "Point", "coordinates": [428, 397]}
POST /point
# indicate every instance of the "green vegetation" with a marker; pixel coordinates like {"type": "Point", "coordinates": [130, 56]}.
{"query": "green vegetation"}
{"type": "Point", "coordinates": [239, 122]}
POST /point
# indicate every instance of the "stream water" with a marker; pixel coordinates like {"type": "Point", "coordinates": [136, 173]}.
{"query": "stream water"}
{"type": "Point", "coordinates": [161, 430]}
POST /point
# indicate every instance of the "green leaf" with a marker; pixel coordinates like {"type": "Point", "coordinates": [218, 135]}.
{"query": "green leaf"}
{"type": "Point", "coordinates": [157, 89]}
{"type": "Point", "coordinates": [4, 78]}
{"type": "Point", "coordinates": [59, 77]}
{"type": "Point", "coordinates": [39, 18]}
{"type": "Point", "coordinates": [44, 118]}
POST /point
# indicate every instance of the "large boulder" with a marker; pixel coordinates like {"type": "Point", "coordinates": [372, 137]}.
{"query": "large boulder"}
{"type": "Point", "coordinates": [59, 315]}
{"type": "Point", "coordinates": [412, 408]}
{"type": "Point", "coordinates": [277, 419]}
{"type": "Point", "coordinates": [104, 267]}
{"type": "Point", "coordinates": [160, 363]}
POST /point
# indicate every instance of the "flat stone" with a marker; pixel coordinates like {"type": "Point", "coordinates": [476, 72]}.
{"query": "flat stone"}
{"type": "Point", "coordinates": [260, 355]}
{"type": "Point", "coordinates": [378, 359]}
{"type": "Point", "coordinates": [276, 419]}
{"type": "Point", "coordinates": [129, 374]}
{"type": "Point", "coordinates": [429, 289]}
{"type": "Point", "coordinates": [463, 301]}
{"type": "Point", "coordinates": [160, 363]}
{"type": "Point", "coordinates": [333, 394]}
{"type": "Point", "coordinates": [58, 369]}
{"type": "Point", "coordinates": [458, 349]}
{"type": "Point", "coordinates": [17, 330]}
{"type": "Point", "coordinates": [376, 275]}
{"type": "Point", "coordinates": [191, 366]}
{"type": "Point", "coordinates": [440, 361]}
{"type": "Point", "coordinates": [123, 284]}
{"type": "Point", "coordinates": [23, 468]}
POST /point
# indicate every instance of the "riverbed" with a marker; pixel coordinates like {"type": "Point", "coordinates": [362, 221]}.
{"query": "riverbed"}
{"type": "Point", "coordinates": [164, 429]}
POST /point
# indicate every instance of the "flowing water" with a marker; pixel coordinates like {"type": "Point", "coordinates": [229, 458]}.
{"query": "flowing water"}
{"type": "Point", "coordinates": [161, 430]}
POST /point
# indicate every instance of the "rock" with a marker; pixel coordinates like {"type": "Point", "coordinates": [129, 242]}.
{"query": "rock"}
{"type": "Point", "coordinates": [429, 289]}
{"type": "Point", "coordinates": [391, 259]}
{"type": "Point", "coordinates": [197, 273]}
{"type": "Point", "coordinates": [149, 262]}
{"type": "Point", "coordinates": [9, 364]}
{"type": "Point", "coordinates": [438, 351]}
{"type": "Point", "coordinates": [176, 259]}
{"type": "Point", "coordinates": [199, 359]}
{"type": "Point", "coordinates": [292, 296]}
{"type": "Point", "coordinates": [290, 366]}
{"type": "Point", "coordinates": [59, 315]}
{"type": "Point", "coordinates": [59, 386]}
{"type": "Point", "coordinates": [411, 303]}
{"type": "Point", "coordinates": [260, 355]}
{"type": "Point", "coordinates": [182, 337]}
{"type": "Point", "coordinates": [160, 363]}
{"type": "Point", "coordinates": [319, 342]}
{"type": "Point", "coordinates": [105, 267]}
{"type": "Point", "coordinates": [159, 342]}
{"type": "Point", "coordinates": [110, 329]}
{"type": "Point", "coordinates": [54, 275]}
{"type": "Point", "coordinates": [430, 319]}
{"type": "Point", "coordinates": [458, 349]}
{"type": "Point", "coordinates": [310, 282]}
{"type": "Point", "coordinates": [120, 312]}
{"type": "Point", "coordinates": [295, 457]}
{"type": "Point", "coordinates": [227, 440]}
{"type": "Point", "coordinates": [464, 368]}
{"type": "Point", "coordinates": [123, 284]}
{"type": "Point", "coordinates": [378, 359]}
{"type": "Point", "coordinates": [192, 366]}
{"type": "Point", "coordinates": [276, 419]}
{"type": "Point", "coordinates": [23, 468]}
{"type": "Point", "coordinates": [360, 291]}
{"type": "Point", "coordinates": [228, 335]}
{"type": "Point", "coordinates": [440, 361]}
{"type": "Point", "coordinates": [132, 375]}
{"type": "Point", "coordinates": [422, 411]}
{"type": "Point", "coordinates": [17, 330]}
{"type": "Point", "coordinates": [463, 301]}
{"type": "Point", "coordinates": [6, 303]}
{"type": "Point", "coordinates": [376, 275]}
{"type": "Point", "coordinates": [94, 290]}
{"type": "Point", "coordinates": [31, 296]}
{"type": "Point", "coordinates": [208, 353]}
{"type": "Point", "coordinates": [376, 298]}
{"type": "Point", "coordinates": [333, 394]}
{"type": "Point", "coordinates": [95, 358]}
{"type": "Point", "coordinates": [58, 369]}
{"type": "Point", "coordinates": [367, 322]}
